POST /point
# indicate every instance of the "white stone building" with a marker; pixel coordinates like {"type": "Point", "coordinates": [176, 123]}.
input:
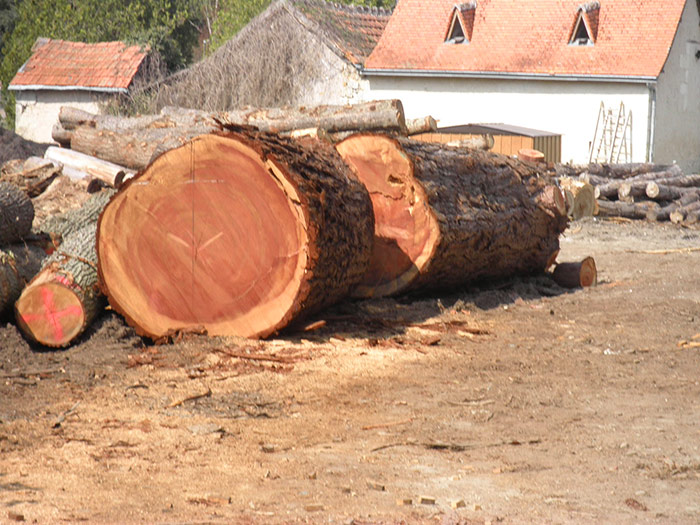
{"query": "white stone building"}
{"type": "Point", "coordinates": [550, 64]}
{"type": "Point", "coordinates": [61, 73]}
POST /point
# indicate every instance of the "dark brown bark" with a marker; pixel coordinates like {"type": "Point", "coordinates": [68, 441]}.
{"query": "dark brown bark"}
{"type": "Point", "coordinates": [235, 234]}
{"type": "Point", "coordinates": [446, 216]}
{"type": "Point", "coordinates": [18, 265]}
{"type": "Point", "coordinates": [576, 274]}
{"type": "Point", "coordinates": [638, 210]}
{"type": "Point", "coordinates": [16, 214]}
{"type": "Point", "coordinates": [626, 171]}
{"type": "Point", "coordinates": [661, 192]}
{"type": "Point", "coordinates": [63, 299]}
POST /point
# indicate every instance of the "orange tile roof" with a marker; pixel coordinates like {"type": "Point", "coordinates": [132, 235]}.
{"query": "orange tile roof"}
{"type": "Point", "coordinates": [56, 64]}
{"type": "Point", "coordinates": [531, 37]}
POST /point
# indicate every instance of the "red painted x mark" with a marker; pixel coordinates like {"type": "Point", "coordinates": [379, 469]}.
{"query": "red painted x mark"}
{"type": "Point", "coordinates": [52, 315]}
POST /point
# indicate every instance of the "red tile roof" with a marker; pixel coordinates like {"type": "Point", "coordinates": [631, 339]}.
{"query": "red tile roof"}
{"type": "Point", "coordinates": [57, 64]}
{"type": "Point", "coordinates": [353, 30]}
{"type": "Point", "coordinates": [531, 37]}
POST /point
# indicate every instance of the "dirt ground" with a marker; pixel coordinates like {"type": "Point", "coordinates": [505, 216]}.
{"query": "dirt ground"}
{"type": "Point", "coordinates": [518, 402]}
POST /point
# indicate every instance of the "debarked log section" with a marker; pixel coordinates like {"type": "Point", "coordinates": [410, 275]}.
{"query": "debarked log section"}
{"type": "Point", "coordinates": [234, 234]}
{"type": "Point", "coordinates": [449, 216]}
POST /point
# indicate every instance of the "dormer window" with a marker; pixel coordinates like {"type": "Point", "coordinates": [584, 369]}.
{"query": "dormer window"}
{"type": "Point", "coordinates": [585, 29]}
{"type": "Point", "coordinates": [461, 23]}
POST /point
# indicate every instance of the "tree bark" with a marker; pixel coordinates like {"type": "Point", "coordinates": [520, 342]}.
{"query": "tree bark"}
{"type": "Point", "coordinates": [234, 234]}
{"type": "Point", "coordinates": [638, 210]}
{"type": "Point", "coordinates": [32, 175]}
{"type": "Point", "coordinates": [446, 216]}
{"type": "Point", "coordinates": [661, 192]}
{"type": "Point", "coordinates": [63, 299]}
{"type": "Point", "coordinates": [678, 215]}
{"type": "Point", "coordinates": [92, 166]}
{"type": "Point", "coordinates": [71, 221]}
{"type": "Point", "coordinates": [626, 171]}
{"type": "Point", "coordinates": [576, 274]}
{"type": "Point", "coordinates": [135, 148]}
{"type": "Point", "coordinates": [18, 265]}
{"type": "Point", "coordinates": [16, 214]}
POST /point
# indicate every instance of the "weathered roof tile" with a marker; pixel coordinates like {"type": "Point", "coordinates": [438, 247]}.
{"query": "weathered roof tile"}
{"type": "Point", "coordinates": [632, 38]}
{"type": "Point", "coordinates": [60, 64]}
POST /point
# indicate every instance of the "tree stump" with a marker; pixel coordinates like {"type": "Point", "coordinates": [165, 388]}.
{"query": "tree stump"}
{"type": "Point", "coordinates": [234, 234]}
{"type": "Point", "coordinates": [448, 216]}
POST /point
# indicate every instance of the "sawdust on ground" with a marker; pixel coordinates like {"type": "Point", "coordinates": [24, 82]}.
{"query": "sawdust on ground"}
{"type": "Point", "coordinates": [518, 402]}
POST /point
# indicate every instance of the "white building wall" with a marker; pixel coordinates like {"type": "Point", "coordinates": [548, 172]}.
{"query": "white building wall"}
{"type": "Point", "coordinates": [336, 80]}
{"type": "Point", "coordinates": [677, 122]}
{"type": "Point", "coordinates": [37, 111]}
{"type": "Point", "coordinates": [565, 107]}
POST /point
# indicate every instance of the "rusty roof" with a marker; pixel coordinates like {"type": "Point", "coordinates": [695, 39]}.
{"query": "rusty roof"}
{"type": "Point", "coordinates": [59, 64]}
{"type": "Point", "coordinates": [352, 30]}
{"type": "Point", "coordinates": [632, 38]}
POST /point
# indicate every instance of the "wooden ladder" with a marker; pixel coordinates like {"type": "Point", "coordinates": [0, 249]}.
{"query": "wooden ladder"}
{"type": "Point", "coordinates": [612, 139]}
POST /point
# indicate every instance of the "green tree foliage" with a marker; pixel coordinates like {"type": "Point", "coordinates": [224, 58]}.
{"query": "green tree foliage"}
{"type": "Point", "coordinates": [164, 25]}
{"type": "Point", "coordinates": [234, 14]}
{"type": "Point", "coordinates": [8, 15]}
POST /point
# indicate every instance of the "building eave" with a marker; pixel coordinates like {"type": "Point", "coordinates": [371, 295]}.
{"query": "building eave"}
{"type": "Point", "coordinates": [428, 73]}
{"type": "Point", "coordinates": [40, 87]}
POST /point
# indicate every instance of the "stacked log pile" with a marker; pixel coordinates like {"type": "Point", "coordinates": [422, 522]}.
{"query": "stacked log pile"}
{"type": "Point", "coordinates": [638, 191]}
{"type": "Point", "coordinates": [245, 222]}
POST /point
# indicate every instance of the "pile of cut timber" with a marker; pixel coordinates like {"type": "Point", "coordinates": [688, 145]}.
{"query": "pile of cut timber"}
{"type": "Point", "coordinates": [636, 191]}
{"type": "Point", "coordinates": [244, 222]}
{"type": "Point", "coordinates": [135, 142]}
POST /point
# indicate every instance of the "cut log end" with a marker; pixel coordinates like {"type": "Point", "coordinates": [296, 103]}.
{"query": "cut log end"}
{"type": "Point", "coordinates": [51, 314]}
{"type": "Point", "coordinates": [406, 230]}
{"type": "Point", "coordinates": [188, 196]}
{"type": "Point", "coordinates": [576, 274]}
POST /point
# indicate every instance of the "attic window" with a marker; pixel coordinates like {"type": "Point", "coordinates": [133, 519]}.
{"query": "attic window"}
{"type": "Point", "coordinates": [456, 34]}
{"type": "Point", "coordinates": [586, 26]}
{"type": "Point", "coordinates": [461, 24]}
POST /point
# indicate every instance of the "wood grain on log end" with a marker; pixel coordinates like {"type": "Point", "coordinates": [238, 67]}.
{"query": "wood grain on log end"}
{"type": "Point", "coordinates": [51, 314]}
{"type": "Point", "coordinates": [406, 229]}
{"type": "Point", "coordinates": [576, 274]}
{"type": "Point", "coordinates": [235, 235]}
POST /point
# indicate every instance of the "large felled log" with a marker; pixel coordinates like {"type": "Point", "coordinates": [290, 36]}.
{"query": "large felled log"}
{"type": "Point", "coordinates": [446, 216]}
{"type": "Point", "coordinates": [16, 214]}
{"type": "Point", "coordinates": [661, 192]}
{"type": "Point", "coordinates": [236, 234]}
{"type": "Point", "coordinates": [63, 299]}
{"type": "Point", "coordinates": [100, 169]}
{"type": "Point", "coordinates": [18, 265]}
{"type": "Point", "coordinates": [679, 214]}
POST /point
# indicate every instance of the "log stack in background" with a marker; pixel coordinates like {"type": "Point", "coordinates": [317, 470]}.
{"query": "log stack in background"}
{"type": "Point", "coordinates": [639, 190]}
{"type": "Point", "coordinates": [236, 226]}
